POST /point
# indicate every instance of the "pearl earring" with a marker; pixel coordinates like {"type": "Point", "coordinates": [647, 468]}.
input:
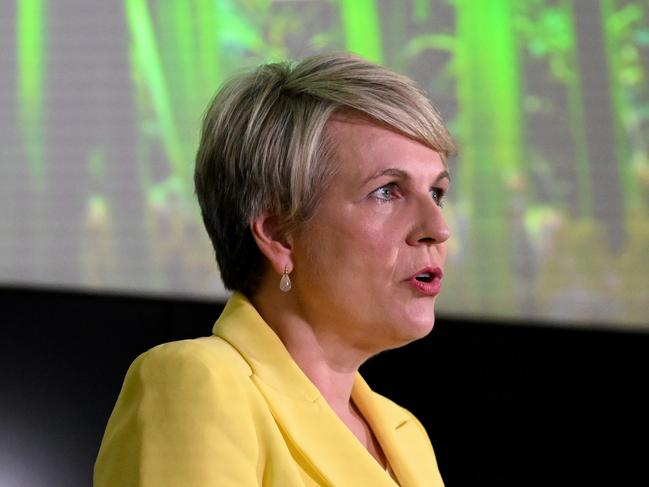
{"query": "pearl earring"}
{"type": "Point", "coordinates": [285, 281]}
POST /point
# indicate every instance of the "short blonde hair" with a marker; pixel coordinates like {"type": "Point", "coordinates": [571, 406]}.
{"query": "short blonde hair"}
{"type": "Point", "coordinates": [263, 146]}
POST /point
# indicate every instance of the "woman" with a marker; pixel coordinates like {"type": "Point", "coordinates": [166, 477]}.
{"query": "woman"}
{"type": "Point", "coordinates": [321, 186]}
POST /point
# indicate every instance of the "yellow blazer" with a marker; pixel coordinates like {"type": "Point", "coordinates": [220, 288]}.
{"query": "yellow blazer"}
{"type": "Point", "coordinates": [234, 409]}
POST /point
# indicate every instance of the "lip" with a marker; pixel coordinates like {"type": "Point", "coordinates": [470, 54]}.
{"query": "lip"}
{"type": "Point", "coordinates": [431, 288]}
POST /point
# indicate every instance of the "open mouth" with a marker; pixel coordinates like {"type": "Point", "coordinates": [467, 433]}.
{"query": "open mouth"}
{"type": "Point", "coordinates": [427, 281]}
{"type": "Point", "coordinates": [425, 277]}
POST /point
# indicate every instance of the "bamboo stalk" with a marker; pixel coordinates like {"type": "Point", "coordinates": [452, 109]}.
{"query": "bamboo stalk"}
{"type": "Point", "coordinates": [362, 29]}
{"type": "Point", "coordinates": [30, 33]}
{"type": "Point", "coordinates": [150, 66]}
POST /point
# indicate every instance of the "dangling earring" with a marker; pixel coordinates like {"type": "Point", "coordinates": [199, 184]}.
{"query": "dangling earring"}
{"type": "Point", "coordinates": [285, 281]}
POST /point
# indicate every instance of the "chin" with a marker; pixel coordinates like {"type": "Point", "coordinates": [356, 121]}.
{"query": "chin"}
{"type": "Point", "coordinates": [420, 330]}
{"type": "Point", "coordinates": [405, 336]}
{"type": "Point", "coordinates": [419, 322]}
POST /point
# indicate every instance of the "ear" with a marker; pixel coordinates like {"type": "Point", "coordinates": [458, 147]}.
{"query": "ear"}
{"type": "Point", "coordinates": [272, 242]}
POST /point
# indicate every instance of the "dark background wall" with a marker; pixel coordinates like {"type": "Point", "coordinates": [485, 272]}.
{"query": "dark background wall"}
{"type": "Point", "coordinates": [517, 404]}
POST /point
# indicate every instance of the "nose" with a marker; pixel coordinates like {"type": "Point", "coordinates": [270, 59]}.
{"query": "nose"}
{"type": "Point", "coordinates": [430, 226]}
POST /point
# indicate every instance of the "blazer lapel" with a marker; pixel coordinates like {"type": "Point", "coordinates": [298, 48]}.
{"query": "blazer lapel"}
{"type": "Point", "coordinates": [328, 449]}
{"type": "Point", "coordinates": [398, 435]}
{"type": "Point", "coordinates": [324, 442]}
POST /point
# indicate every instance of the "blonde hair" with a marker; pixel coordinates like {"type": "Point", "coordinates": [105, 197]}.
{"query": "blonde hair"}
{"type": "Point", "coordinates": [263, 146]}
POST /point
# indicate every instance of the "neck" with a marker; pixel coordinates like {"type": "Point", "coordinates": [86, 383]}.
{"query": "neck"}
{"type": "Point", "coordinates": [329, 363]}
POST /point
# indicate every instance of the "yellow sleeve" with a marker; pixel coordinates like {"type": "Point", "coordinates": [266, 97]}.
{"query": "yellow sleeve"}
{"type": "Point", "coordinates": [182, 419]}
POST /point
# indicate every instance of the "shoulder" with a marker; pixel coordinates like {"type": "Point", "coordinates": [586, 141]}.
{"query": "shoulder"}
{"type": "Point", "coordinates": [204, 379]}
{"type": "Point", "coordinates": [210, 355]}
{"type": "Point", "coordinates": [182, 405]}
{"type": "Point", "coordinates": [198, 353]}
{"type": "Point", "coordinates": [196, 368]}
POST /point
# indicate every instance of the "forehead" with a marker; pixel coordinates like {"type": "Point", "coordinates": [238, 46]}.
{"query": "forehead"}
{"type": "Point", "coordinates": [350, 125]}
{"type": "Point", "coordinates": [361, 144]}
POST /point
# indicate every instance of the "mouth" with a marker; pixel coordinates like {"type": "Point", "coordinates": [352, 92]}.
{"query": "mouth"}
{"type": "Point", "coordinates": [425, 277]}
{"type": "Point", "coordinates": [427, 281]}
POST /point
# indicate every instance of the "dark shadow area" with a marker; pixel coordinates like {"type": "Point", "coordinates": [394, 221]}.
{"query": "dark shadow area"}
{"type": "Point", "coordinates": [506, 405]}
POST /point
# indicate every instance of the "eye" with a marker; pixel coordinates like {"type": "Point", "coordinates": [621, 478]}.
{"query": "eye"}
{"type": "Point", "coordinates": [385, 193]}
{"type": "Point", "coordinates": [438, 196]}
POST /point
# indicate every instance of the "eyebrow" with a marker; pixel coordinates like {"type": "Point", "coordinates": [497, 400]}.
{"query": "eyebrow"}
{"type": "Point", "coordinates": [393, 171]}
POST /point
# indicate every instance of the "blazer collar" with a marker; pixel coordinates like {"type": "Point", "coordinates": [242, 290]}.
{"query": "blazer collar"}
{"type": "Point", "coordinates": [397, 433]}
{"type": "Point", "coordinates": [317, 434]}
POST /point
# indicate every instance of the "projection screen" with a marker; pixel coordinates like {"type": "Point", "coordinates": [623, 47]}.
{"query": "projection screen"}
{"type": "Point", "coordinates": [101, 102]}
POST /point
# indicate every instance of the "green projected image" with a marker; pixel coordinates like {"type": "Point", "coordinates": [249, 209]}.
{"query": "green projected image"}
{"type": "Point", "coordinates": [101, 104]}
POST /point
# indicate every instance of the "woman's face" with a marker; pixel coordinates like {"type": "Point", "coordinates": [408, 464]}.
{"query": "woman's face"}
{"type": "Point", "coordinates": [368, 266]}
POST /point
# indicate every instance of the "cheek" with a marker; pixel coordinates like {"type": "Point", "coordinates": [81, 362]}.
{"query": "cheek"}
{"type": "Point", "coordinates": [368, 246]}
{"type": "Point", "coordinates": [441, 248]}
{"type": "Point", "coordinates": [352, 247]}
{"type": "Point", "coordinates": [353, 242]}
